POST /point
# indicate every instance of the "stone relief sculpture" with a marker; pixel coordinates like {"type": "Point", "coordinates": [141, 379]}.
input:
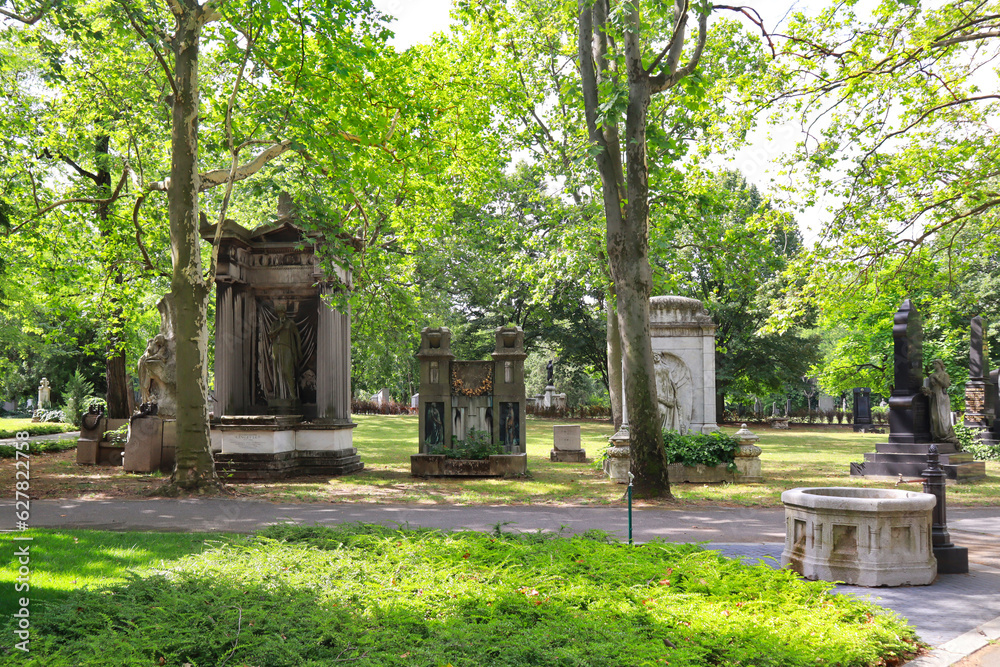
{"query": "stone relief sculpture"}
{"type": "Point", "coordinates": [936, 386]}
{"type": "Point", "coordinates": [674, 392]}
{"type": "Point", "coordinates": [158, 366]}
{"type": "Point", "coordinates": [286, 351]}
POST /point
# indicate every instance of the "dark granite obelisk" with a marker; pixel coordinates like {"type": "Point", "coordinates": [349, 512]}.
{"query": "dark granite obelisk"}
{"type": "Point", "coordinates": [909, 419]}
{"type": "Point", "coordinates": [975, 388]}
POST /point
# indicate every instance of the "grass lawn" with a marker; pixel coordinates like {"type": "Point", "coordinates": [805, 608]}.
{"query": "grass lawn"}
{"type": "Point", "coordinates": [799, 457]}
{"type": "Point", "coordinates": [11, 427]}
{"type": "Point", "coordinates": [376, 596]}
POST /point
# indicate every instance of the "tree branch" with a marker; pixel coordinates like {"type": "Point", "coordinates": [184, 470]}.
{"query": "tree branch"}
{"type": "Point", "coordinates": [75, 200]}
{"type": "Point", "coordinates": [27, 20]}
{"type": "Point", "coordinates": [219, 176]}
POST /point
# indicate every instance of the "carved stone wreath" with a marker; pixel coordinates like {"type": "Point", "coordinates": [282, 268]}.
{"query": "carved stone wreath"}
{"type": "Point", "coordinates": [471, 378]}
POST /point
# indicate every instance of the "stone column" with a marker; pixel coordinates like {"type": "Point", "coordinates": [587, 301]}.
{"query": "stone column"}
{"type": "Point", "coordinates": [435, 382]}
{"type": "Point", "coordinates": [508, 383]}
{"type": "Point", "coordinates": [333, 360]}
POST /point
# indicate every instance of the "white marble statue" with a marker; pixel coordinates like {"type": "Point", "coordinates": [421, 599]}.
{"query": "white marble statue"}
{"type": "Point", "coordinates": [673, 392]}
{"type": "Point", "coordinates": [44, 394]}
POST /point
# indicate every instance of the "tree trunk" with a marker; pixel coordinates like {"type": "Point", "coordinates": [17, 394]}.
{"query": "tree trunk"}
{"type": "Point", "coordinates": [614, 364]}
{"type": "Point", "coordinates": [195, 466]}
{"type": "Point", "coordinates": [115, 373]}
{"type": "Point", "coordinates": [720, 407]}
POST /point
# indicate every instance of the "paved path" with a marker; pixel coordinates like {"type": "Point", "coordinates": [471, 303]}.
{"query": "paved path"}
{"type": "Point", "coordinates": [957, 614]}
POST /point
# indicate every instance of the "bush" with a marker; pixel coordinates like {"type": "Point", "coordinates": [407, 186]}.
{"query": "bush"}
{"type": "Point", "coordinates": [709, 449]}
{"type": "Point", "coordinates": [476, 446]}
{"type": "Point", "coordinates": [49, 416]}
{"type": "Point", "coordinates": [78, 392]}
{"type": "Point", "coordinates": [970, 443]}
{"type": "Point", "coordinates": [362, 407]}
{"type": "Point", "coordinates": [39, 446]}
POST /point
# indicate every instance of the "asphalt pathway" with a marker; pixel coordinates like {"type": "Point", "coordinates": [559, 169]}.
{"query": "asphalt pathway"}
{"type": "Point", "coordinates": [958, 614]}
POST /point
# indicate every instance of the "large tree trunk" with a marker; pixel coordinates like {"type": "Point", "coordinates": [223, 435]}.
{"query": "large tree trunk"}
{"type": "Point", "coordinates": [627, 237]}
{"type": "Point", "coordinates": [195, 466]}
{"type": "Point", "coordinates": [614, 364]}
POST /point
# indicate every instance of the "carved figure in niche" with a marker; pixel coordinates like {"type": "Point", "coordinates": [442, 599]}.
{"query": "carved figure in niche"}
{"type": "Point", "coordinates": [674, 392]}
{"type": "Point", "coordinates": [434, 427]}
{"type": "Point", "coordinates": [435, 376]}
{"type": "Point", "coordinates": [286, 351]}
{"type": "Point", "coordinates": [307, 386]}
{"type": "Point", "coordinates": [936, 386]}
{"type": "Point", "coordinates": [44, 394]}
{"type": "Point", "coordinates": [511, 424]}
{"type": "Point", "coordinates": [548, 374]}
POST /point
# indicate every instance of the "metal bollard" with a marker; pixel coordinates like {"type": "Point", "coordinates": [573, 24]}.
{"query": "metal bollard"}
{"type": "Point", "coordinates": [950, 559]}
{"type": "Point", "coordinates": [630, 478]}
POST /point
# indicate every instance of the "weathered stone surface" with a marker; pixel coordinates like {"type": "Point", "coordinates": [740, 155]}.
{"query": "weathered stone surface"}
{"type": "Point", "coordinates": [618, 463]}
{"type": "Point", "coordinates": [86, 451]}
{"type": "Point", "coordinates": [568, 456]}
{"type": "Point", "coordinates": [566, 437]}
{"type": "Point", "coordinates": [438, 465]}
{"type": "Point", "coordinates": [683, 340]}
{"type": "Point", "coordinates": [145, 444]}
{"type": "Point", "coordinates": [864, 537]}
{"type": "Point", "coordinates": [678, 473]}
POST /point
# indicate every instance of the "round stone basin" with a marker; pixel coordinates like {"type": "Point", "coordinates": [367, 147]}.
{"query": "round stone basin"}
{"type": "Point", "coordinates": [866, 537]}
{"type": "Point", "coordinates": [858, 499]}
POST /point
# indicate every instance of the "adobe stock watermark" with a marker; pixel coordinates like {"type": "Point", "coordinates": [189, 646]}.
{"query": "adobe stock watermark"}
{"type": "Point", "coordinates": [22, 543]}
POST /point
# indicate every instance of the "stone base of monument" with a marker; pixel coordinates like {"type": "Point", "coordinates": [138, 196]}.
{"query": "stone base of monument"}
{"type": "Point", "coordinates": [255, 447]}
{"type": "Point", "coordinates": [151, 445]}
{"type": "Point", "coordinates": [678, 473]}
{"type": "Point", "coordinates": [952, 559]}
{"type": "Point", "coordinates": [863, 537]}
{"type": "Point", "coordinates": [566, 446]}
{"type": "Point", "coordinates": [891, 459]}
{"type": "Point", "coordinates": [92, 448]}
{"type": "Point", "coordinates": [497, 465]}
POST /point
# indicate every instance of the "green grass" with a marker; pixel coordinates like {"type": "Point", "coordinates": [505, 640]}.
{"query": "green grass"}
{"type": "Point", "coordinates": [799, 457]}
{"type": "Point", "coordinates": [66, 560]}
{"type": "Point", "coordinates": [9, 428]}
{"type": "Point", "coordinates": [374, 596]}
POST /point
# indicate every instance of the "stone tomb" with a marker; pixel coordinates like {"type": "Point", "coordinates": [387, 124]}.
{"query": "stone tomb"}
{"type": "Point", "coordinates": [282, 356]}
{"type": "Point", "coordinates": [459, 398]}
{"type": "Point", "coordinates": [909, 414]}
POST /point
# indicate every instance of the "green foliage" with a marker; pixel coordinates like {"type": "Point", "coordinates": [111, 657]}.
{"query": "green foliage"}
{"type": "Point", "coordinates": [710, 449]}
{"type": "Point", "coordinates": [476, 446]}
{"type": "Point", "coordinates": [117, 437]}
{"type": "Point", "coordinates": [968, 442]}
{"type": "Point", "coordinates": [40, 446]}
{"type": "Point", "coordinates": [313, 596]}
{"type": "Point", "coordinates": [78, 390]}
{"type": "Point", "coordinates": [9, 428]}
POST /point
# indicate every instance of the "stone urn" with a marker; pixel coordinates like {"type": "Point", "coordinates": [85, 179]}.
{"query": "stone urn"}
{"type": "Point", "coordinates": [748, 456]}
{"type": "Point", "coordinates": [434, 338]}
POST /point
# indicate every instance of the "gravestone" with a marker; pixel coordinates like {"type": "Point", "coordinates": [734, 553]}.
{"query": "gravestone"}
{"type": "Point", "coordinates": [458, 399]}
{"type": "Point", "coordinates": [980, 390]}
{"type": "Point", "coordinates": [683, 340]}
{"type": "Point", "coordinates": [566, 445]}
{"type": "Point", "coordinates": [909, 413]}
{"type": "Point", "coordinates": [152, 431]}
{"type": "Point", "coordinates": [862, 409]}
{"type": "Point", "coordinates": [282, 354]}
{"type": "Point", "coordinates": [382, 397]}
{"type": "Point", "coordinates": [825, 403]}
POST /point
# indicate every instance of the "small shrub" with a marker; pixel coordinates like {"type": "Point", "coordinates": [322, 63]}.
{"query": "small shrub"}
{"type": "Point", "coordinates": [709, 449]}
{"type": "Point", "coordinates": [117, 437]}
{"type": "Point", "coordinates": [970, 443]}
{"type": "Point", "coordinates": [477, 445]}
{"type": "Point", "coordinates": [78, 390]}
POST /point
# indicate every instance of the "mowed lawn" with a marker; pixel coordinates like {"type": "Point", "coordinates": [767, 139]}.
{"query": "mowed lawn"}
{"type": "Point", "coordinates": [800, 457]}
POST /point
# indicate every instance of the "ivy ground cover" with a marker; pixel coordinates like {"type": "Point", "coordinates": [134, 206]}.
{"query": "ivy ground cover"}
{"type": "Point", "coordinates": [369, 595]}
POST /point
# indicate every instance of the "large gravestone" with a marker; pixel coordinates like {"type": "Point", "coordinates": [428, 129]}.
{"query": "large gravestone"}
{"type": "Point", "coordinates": [683, 339]}
{"type": "Point", "coordinates": [909, 414]}
{"type": "Point", "coordinates": [459, 400]}
{"type": "Point", "coordinates": [282, 356]}
{"type": "Point", "coordinates": [980, 390]}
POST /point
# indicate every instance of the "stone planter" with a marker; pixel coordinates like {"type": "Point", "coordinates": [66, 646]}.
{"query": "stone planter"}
{"type": "Point", "coordinates": [678, 473]}
{"type": "Point", "coordinates": [498, 465]}
{"type": "Point", "coordinates": [865, 537]}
